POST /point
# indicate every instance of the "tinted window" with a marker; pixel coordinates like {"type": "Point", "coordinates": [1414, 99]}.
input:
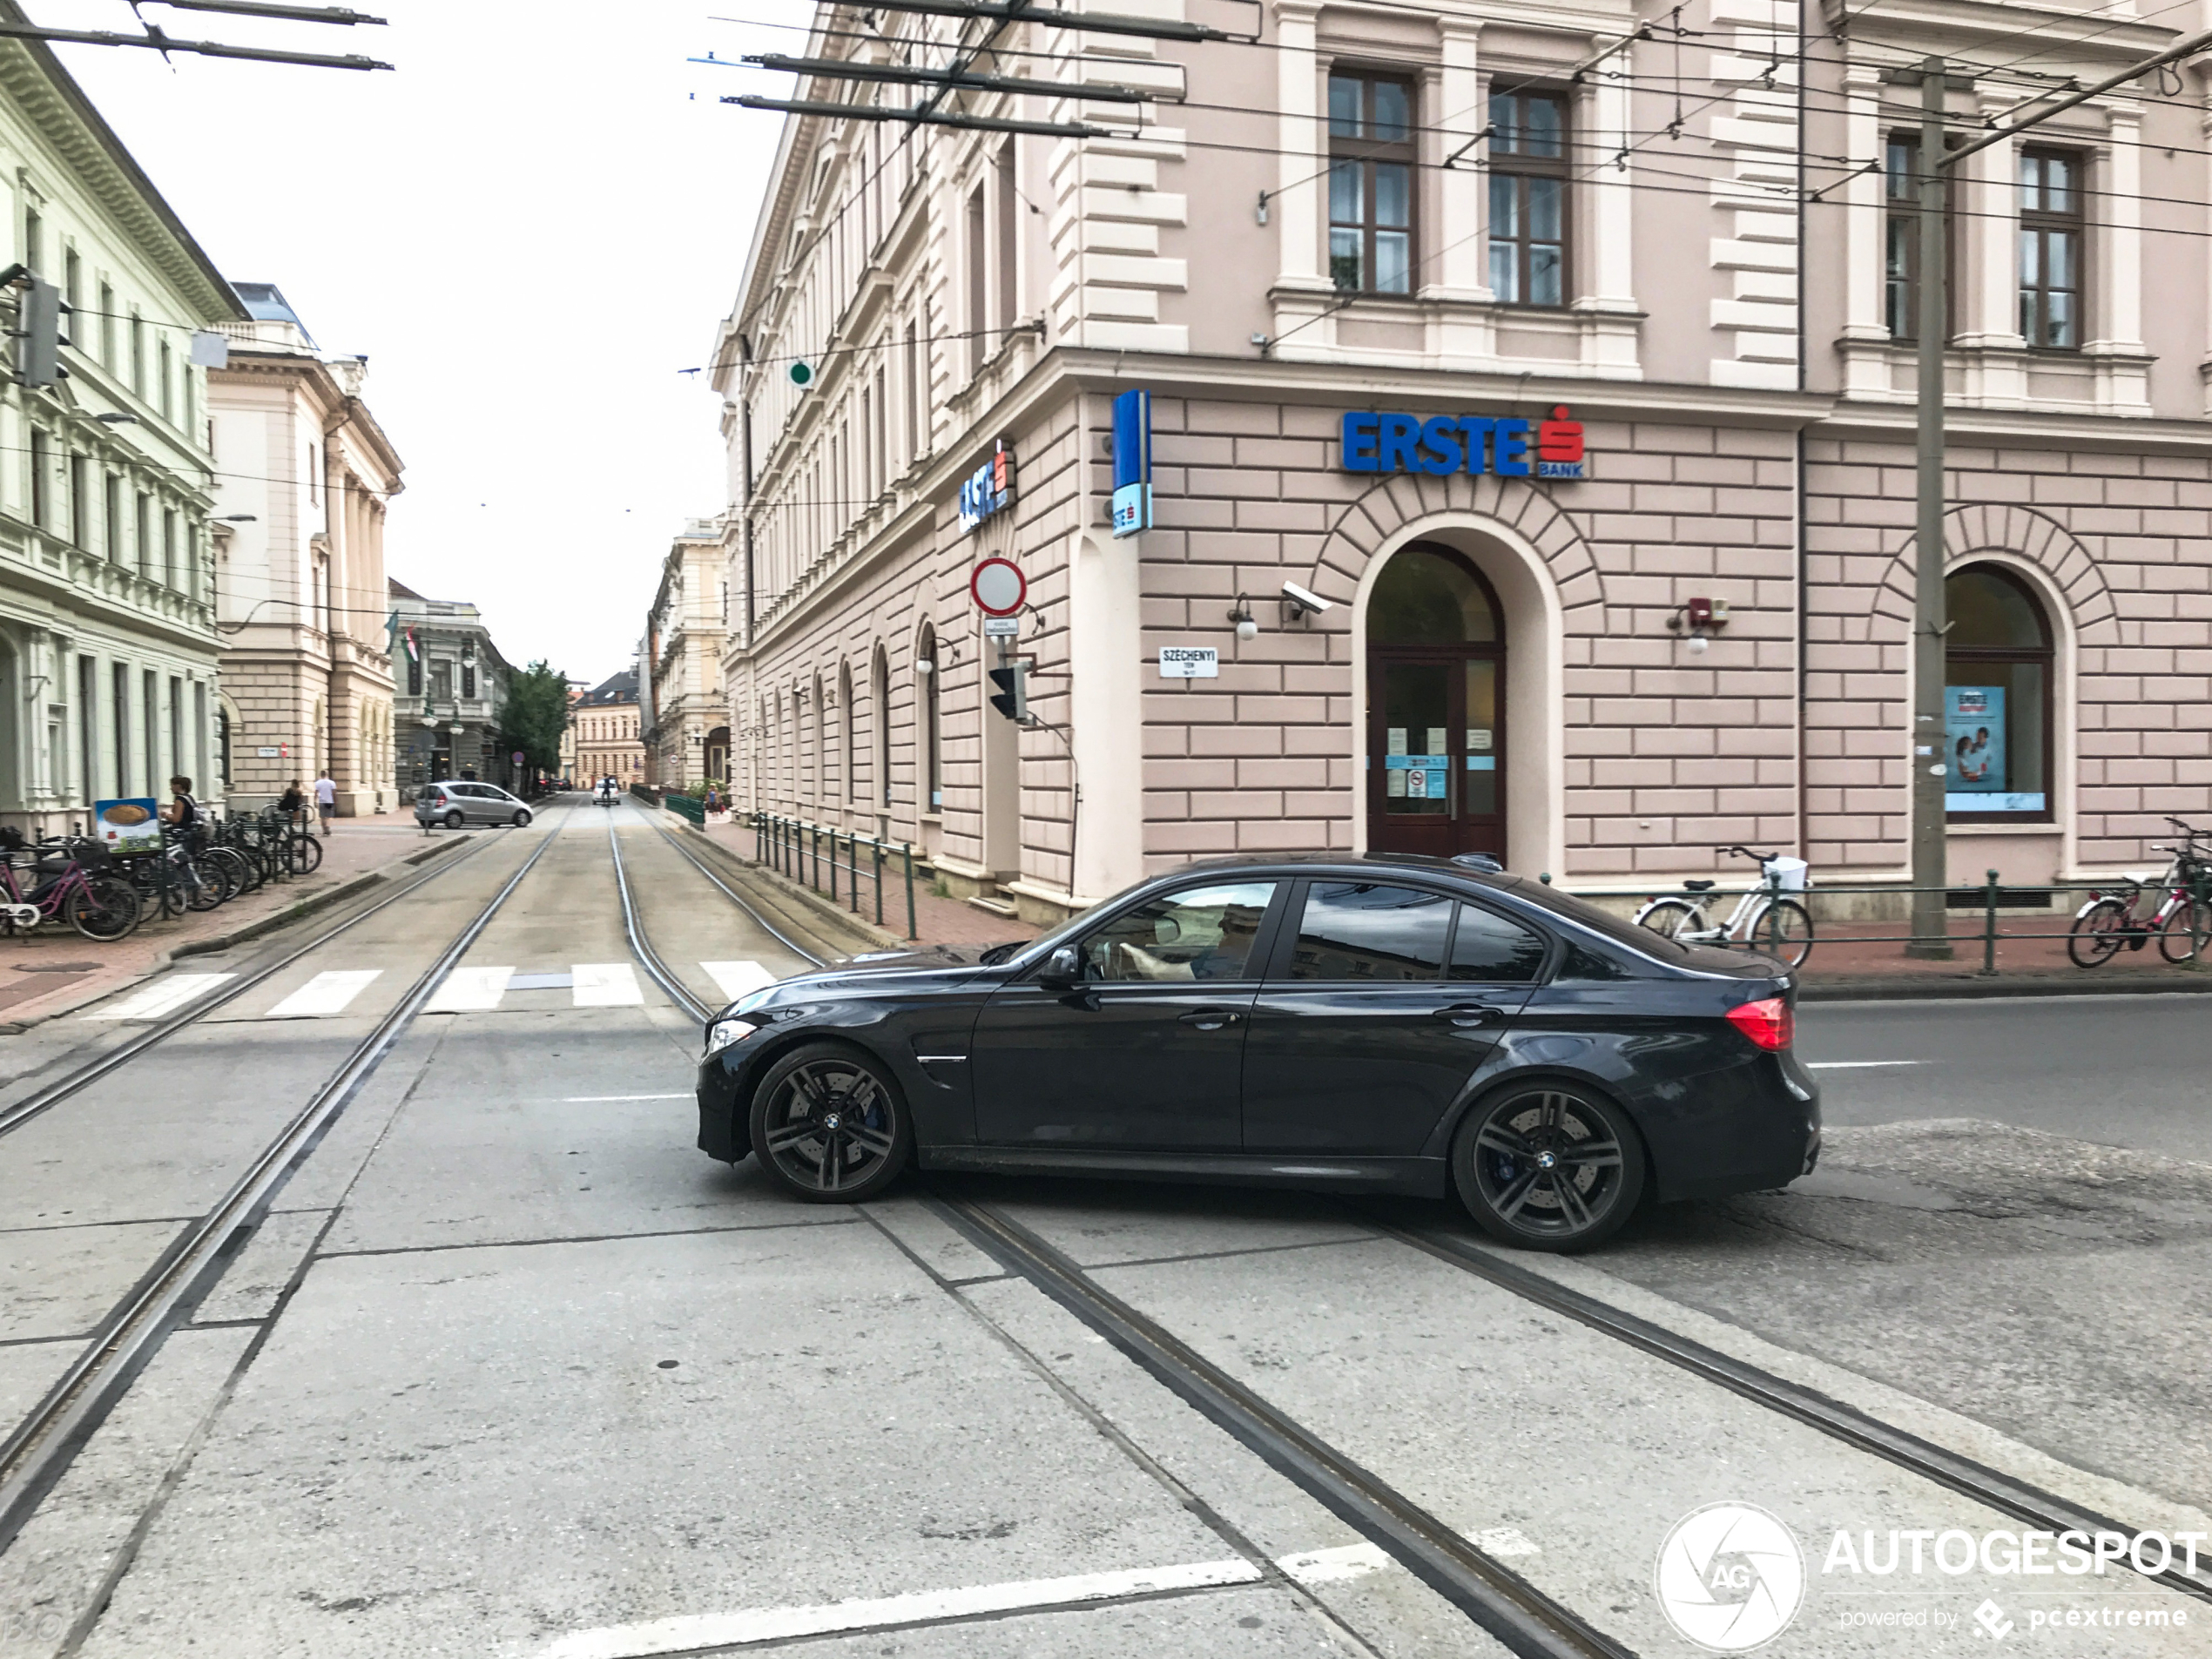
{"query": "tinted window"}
{"type": "Point", "coordinates": [1642, 941]}
{"type": "Point", "coordinates": [1489, 948]}
{"type": "Point", "coordinates": [1196, 934]}
{"type": "Point", "coordinates": [1584, 966]}
{"type": "Point", "coordinates": [1358, 930]}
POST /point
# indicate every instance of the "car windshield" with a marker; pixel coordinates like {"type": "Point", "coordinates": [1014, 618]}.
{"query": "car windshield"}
{"type": "Point", "coordinates": [1067, 930]}
{"type": "Point", "coordinates": [1603, 922]}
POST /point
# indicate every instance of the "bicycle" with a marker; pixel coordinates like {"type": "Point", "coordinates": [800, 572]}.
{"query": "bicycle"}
{"type": "Point", "coordinates": [2181, 921]}
{"type": "Point", "coordinates": [1765, 918]}
{"type": "Point", "coordinates": [74, 884]}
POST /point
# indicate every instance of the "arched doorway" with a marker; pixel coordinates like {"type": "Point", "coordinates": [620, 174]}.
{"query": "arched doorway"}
{"type": "Point", "coordinates": [1436, 718]}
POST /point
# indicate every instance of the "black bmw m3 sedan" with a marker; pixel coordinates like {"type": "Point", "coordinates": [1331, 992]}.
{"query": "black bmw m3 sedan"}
{"type": "Point", "coordinates": [1385, 1023]}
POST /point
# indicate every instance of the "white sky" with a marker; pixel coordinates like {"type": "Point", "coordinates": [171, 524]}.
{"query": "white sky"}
{"type": "Point", "coordinates": [529, 228]}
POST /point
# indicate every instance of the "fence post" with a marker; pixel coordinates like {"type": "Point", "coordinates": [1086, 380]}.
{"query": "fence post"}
{"type": "Point", "coordinates": [876, 849]}
{"type": "Point", "coordinates": [832, 864]}
{"type": "Point", "coordinates": [1989, 928]}
{"type": "Point", "coordinates": [852, 887]}
{"type": "Point", "coordinates": [911, 931]}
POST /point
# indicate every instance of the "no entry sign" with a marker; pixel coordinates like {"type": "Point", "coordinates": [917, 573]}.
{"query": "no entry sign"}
{"type": "Point", "coordinates": [998, 587]}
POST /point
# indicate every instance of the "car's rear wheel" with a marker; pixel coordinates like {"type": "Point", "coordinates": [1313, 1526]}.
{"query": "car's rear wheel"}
{"type": "Point", "coordinates": [829, 1124]}
{"type": "Point", "coordinates": [454, 819]}
{"type": "Point", "coordinates": [1549, 1166]}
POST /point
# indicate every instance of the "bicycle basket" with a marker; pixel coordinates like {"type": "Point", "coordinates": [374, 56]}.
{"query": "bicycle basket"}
{"type": "Point", "coordinates": [1789, 874]}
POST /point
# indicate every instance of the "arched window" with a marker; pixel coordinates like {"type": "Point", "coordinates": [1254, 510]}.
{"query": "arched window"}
{"type": "Point", "coordinates": [825, 746]}
{"type": "Point", "coordinates": [845, 708]}
{"type": "Point", "coordinates": [930, 761]}
{"type": "Point", "coordinates": [1996, 698]}
{"type": "Point", "coordinates": [879, 711]}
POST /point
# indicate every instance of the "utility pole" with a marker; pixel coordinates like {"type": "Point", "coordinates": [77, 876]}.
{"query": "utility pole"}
{"type": "Point", "coordinates": [1931, 760]}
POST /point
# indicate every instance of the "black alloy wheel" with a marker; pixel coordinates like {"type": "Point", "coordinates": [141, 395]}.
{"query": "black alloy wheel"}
{"type": "Point", "coordinates": [829, 1125]}
{"type": "Point", "coordinates": [1549, 1166]}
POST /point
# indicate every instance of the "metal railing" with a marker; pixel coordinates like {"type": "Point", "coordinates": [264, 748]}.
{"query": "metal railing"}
{"type": "Point", "coordinates": [2140, 905]}
{"type": "Point", "coordinates": [793, 848]}
{"type": "Point", "coordinates": [686, 806]}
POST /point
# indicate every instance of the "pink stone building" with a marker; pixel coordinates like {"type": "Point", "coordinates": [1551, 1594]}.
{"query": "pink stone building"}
{"type": "Point", "coordinates": [1455, 224]}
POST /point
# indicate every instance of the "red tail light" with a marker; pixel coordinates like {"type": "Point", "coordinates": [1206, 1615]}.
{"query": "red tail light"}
{"type": "Point", "coordinates": [1768, 1023]}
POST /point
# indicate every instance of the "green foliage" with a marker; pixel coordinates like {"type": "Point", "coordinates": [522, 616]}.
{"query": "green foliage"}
{"type": "Point", "coordinates": [534, 714]}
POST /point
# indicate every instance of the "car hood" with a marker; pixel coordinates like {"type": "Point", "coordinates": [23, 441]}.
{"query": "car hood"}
{"type": "Point", "coordinates": [876, 971]}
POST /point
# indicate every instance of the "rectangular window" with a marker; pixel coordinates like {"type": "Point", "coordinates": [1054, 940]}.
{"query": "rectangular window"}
{"type": "Point", "coordinates": [88, 726]}
{"type": "Point", "coordinates": [107, 326]}
{"type": "Point", "coordinates": [882, 434]}
{"type": "Point", "coordinates": [1370, 184]}
{"type": "Point", "coordinates": [978, 283]}
{"type": "Point", "coordinates": [34, 239]}
{"type": "Point", "coordinates": [1901, 240]}
{"type": "Point", "coordinates": [137, 354]}
{"type": "Point", "coordinates": [42, 459]}
{"type": "Point", "coordinates": [1009, 225]}
{"type": "Point", "coordinates": [169, 546]}
{"type": "Point", "coordinates": [80, 501]}
{"type": "Point", "coordinates": [178, 754]}
{"type": "Point", "coordinates": [142, 533]}
{"type": "Point", "coordinates": [162, 397]}
{"type": "Point", "coordinates": [1528, 166]}
{"type": "Point", "coordinates": [111, 518]}
{"type": "Point", "coordinates": [2051, 227]}
{"type": "Point", "coordinates": [468, 680]}
{"type": "Point", "coordinates": [73, 282]}
{"type": "Point", "coordinates": [914, 391]}
{"type": "Point", "coordinates": [149, 729]}
{"type": "Point", "coordinates": [414, 677]}
{"type": "Point", "coordinates": [119, 692]}
{"type": "Point", "coordinates": [441, 682]}
{"type": "Point", "coordinates": [199, 736]}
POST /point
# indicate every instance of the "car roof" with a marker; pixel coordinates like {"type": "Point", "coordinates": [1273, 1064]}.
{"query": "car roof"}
{"type": "Point", "coordinates": [1350, 863]}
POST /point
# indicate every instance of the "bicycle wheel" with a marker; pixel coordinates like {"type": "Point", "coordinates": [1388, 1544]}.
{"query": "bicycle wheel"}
{"type": "Point", "coordinates": [2185, 930]}
{"type": "Point", "coordinates": [106, 907]}
{"type": "Point", "coordinates": [202, 886]}
{"type": "Point", "coordinates": [1671, 918]}
{"type": "Point", "coordinates": [2098, 932]}
{"type": "Point", "coordinates": [230, 868]}
{"type": "Point", "coordinates": [308, 851]}
{"type": "Point", "coordinates": [1784, 930]}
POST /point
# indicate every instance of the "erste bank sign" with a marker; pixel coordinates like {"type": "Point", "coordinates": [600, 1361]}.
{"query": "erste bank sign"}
{"type": "Point", "coordinates": [1444, 443]}
{"type": "Point", "coordinates": [988, 489]}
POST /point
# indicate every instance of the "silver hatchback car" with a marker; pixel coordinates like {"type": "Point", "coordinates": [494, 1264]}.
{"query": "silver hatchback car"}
{"type": "Point", "coordinates": [456, 804]}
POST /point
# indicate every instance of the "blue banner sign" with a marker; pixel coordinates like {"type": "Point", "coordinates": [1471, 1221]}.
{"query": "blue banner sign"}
{"type": "Point", "coordinates": [988, 489]}
{"type": "Point", "coordinates": [1443, 443]}
{"type": "Point", "coordinates": [1132, 463]}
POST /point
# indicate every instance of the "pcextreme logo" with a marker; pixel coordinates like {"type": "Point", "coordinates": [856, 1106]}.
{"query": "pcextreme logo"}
{"type": "Point", "coordinates": [1730, 1577]}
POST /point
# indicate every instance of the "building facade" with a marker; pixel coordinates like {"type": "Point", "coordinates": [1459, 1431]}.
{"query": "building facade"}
{"type": "Point", "coordinates": [687, 733]}
{"type": "Point", "coordinates": [108, 648]}
{"type": "Point", "coordinates": [306, 474]}
{"type": "Point", "coordinates": [1575, 396]}
{"type": "Point", "coordinates": [609, 738]}
{"type": "Point", "coordinates": [453, 682]}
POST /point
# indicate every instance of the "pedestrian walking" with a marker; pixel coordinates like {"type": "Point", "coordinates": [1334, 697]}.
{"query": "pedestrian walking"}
{"type": "Point", "coordinates": [326, 800]}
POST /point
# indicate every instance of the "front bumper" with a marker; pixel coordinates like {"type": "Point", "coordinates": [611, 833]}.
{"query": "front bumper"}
{"type": "Point", "coordinates": [721, 1133]}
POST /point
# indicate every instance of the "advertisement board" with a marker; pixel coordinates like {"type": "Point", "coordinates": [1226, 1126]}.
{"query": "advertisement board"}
{"type": "Point", "coordinates": [1132, 463]}
{"type": "Point", "coordinates": [128, 826]}
{"type": "Point", "coordinates": [1974, 750]}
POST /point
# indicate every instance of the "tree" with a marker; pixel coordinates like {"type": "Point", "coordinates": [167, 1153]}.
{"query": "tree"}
{"type": "Point", "coordinates": [534, 715]}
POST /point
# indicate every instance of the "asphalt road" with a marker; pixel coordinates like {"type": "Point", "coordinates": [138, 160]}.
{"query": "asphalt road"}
{"type": "Point", "coordinates": [512, 1370]}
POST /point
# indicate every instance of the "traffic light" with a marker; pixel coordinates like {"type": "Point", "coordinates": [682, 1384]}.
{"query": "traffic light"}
{"type": "Point", "coordinates": [38, 360]}
{"type": "Point", "coordinates": [1012, 700]}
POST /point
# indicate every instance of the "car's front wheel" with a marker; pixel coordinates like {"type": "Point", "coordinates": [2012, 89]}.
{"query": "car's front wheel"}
{"type": "Point", "coordinates": [1547, 1166]}
{"type": "Point", "coordinates": [829, 1124]}
{"type": "Point", "coordinates": [521, 820]}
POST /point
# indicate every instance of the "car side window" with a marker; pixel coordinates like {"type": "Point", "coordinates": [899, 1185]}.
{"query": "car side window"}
{"type": "Point", "coordinates": [1196, 934]}
{"type": "Point", "coordinates": [1367, 931]}
{"type": "Point", "coordinates": [1488, 946]}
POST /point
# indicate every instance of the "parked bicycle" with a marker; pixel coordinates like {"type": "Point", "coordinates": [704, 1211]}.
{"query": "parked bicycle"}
{"type": "Point", "coordinates": [2180, 921]}
{"type": "Point", "coordinates": [1766, 918]}
{"type": "Point", "coordinates": [72, 882]}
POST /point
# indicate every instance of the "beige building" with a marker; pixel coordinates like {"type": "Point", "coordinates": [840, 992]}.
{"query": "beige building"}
{"type": "Point", "coordinates": [453, 683]}
{"type": "Point", "coordinates": [299, 581]}
{"type": "Point", "coordinates": [687, 731]}
{"type": "Point", "coordinates": [108, 650]}
{"type": "Point", "coordinates": [609, 739]}
{"type": "Point", "coordinates": [1585, 407]}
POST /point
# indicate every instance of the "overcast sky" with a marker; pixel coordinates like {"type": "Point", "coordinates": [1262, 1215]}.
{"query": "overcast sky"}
{"type": "Point", "coordinates": [530, 228]}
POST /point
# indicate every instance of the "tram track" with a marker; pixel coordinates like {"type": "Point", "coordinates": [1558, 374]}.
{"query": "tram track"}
{"type": "Point", "coordinates": [1501, 1601]}
{"type": "Point", "coordinates": [38, 1450]}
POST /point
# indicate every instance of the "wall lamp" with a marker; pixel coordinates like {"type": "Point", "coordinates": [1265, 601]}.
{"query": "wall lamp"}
{"type": "Point", "coordinates": [1698, 619]}
{"type": "Point", "coordinates": [1241, 614]}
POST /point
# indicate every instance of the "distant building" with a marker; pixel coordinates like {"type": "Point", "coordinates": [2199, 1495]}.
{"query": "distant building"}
{"type": "Point", "coordinates": [108, 649]}
{"type": "Point", "coordinates": [452, 682]}
{"type": "Point", "coordinates": [609, 741]}
{"type": "Point", "coordinates": [686, 722]}
{"type": "Point", "coordinates": [299, 584]}
{"type": "Point", "coordinates": [577, 688]}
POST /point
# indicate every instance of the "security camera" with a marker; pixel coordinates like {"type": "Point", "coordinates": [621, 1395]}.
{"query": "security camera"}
{"type": "Point", "coordinates": [1303, 601]}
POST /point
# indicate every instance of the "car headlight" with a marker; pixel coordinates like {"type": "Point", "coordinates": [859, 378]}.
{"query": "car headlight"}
{"type": "Point", "coordinates": [724, 1034]}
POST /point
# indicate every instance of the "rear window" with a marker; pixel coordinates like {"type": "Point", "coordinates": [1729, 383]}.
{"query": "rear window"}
{"type": "Point", "coordinates": [1601, 922]}
{"type": "Point", "coordinates": [430, 791]}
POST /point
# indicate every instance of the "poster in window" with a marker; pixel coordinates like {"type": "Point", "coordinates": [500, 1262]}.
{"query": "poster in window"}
{"type": "Point", "coordinates": [1974, 718]}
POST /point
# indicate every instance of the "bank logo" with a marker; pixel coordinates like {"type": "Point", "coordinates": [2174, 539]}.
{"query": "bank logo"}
{"type": "Point", "coordinates": [1993, 1623]}
{"type": "Point", "coordinates": [1730, 1577]}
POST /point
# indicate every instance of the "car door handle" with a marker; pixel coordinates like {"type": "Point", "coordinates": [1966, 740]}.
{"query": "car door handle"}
{"type": "Point", "coordinates": [1211, 1019]}
{"type": "Point", "coordinates": [1465, 1014]}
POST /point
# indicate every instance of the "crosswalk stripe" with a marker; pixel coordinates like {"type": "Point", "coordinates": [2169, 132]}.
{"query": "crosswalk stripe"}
{"type": "Point", "coordinates": [738, 978]}
{"type": "Point", "coordinates": [605, 985]}
{"type": "Point", "coordinates": [470, 990]}
{"type": "Point", "coordinates": [165, 996]}
{"type": "Point", "coordinates": [324, 994]}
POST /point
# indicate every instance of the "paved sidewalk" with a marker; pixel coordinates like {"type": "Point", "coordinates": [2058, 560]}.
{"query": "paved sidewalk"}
{"type": "Point", "coordinates": [56, 970]}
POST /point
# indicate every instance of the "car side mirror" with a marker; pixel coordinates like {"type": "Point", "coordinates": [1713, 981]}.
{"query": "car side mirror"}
{"type": "Point", "coordinates": [1063, 967]}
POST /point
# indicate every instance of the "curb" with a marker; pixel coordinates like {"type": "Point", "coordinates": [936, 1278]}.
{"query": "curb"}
{"type": "Point", "coordinates": [791, 895]}
{"type": "Point", "coordinates": [271, 923]}
{"type": "Point", "coordinates": [1950, 989]}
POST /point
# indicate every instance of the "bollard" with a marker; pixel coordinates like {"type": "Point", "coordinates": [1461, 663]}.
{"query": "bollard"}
{"type": "Point", "coordinates": [876, 849]}
{"type": "Point", "coordinates": [1989, 929]}
{"type": "Point", "coordinates": [911, 932]}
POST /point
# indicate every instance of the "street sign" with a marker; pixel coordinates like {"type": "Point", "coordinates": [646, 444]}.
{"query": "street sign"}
{"type": "Point", "coordinates": [1132, 463]}
{"type": "Point", "coordinates": [1002, 627]}
{"type": "Point", "coordinates": [1189, 662]}
{"type": "Point", "coordinates": [517, 757]}
{"type": "Point", "coordinates": [998, 587]}
{"type": "Point", "coordinates": [267, 752]}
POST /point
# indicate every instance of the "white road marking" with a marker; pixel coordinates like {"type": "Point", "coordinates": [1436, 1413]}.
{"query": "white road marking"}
{"type": "Point", "coordinates": [165, 996]}
{"type": "Point", "coordinates": [605, 985]}
{"type": "Point", "coordinates": [1854, 1065]}
{"type": "Point", "coordinates": [736, 979]}
{"type": "Point", "coordinates": [324, 995]}
{"type": "Point", "coordinates": [470, 990]}
{"type": "Point", "coordinates": [595, 1100]}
